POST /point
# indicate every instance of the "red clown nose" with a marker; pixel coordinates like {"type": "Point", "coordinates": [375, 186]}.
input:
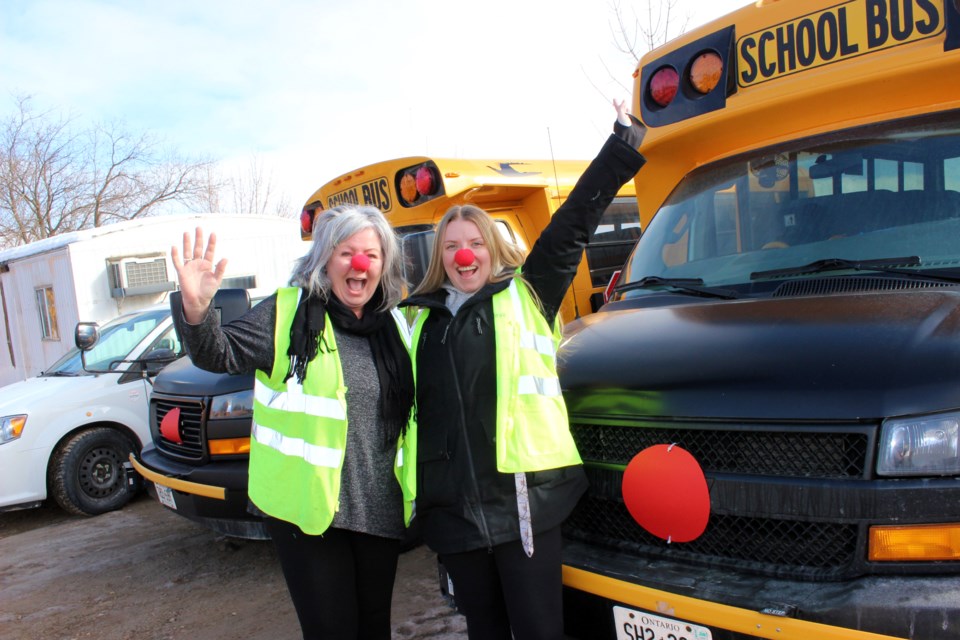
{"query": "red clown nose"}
{"type": "Point", "coordinates": [464, 257]}
{"type": "Point", "coordinates": [360, 262]}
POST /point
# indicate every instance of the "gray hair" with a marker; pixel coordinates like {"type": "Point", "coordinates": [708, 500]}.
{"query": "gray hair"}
{"type": "Point", "coordinates": [337, 225]}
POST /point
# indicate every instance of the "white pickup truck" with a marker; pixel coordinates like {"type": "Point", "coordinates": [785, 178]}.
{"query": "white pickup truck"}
{"type": "Point", "coordinates": [68, 433]}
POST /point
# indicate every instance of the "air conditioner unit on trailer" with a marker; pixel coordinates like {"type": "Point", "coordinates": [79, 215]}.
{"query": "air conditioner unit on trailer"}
{"type": "Point", "coordinates": [139, 275]}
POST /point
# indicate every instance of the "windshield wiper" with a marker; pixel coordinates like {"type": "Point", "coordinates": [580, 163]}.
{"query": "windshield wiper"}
{"type": "Point", "coordinates": [692, 286]}
{"type": "Point", "coordinates": [886, 265]}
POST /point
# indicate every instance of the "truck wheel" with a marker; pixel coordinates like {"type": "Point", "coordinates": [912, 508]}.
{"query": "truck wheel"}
{"type": "Point", "coordinates": [87, 474]}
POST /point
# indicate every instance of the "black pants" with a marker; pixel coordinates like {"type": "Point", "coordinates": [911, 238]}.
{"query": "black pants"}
{"type": "Point", "coordinates": [503, 590]}
{"type": "Point", "coordinates": [341, 583]}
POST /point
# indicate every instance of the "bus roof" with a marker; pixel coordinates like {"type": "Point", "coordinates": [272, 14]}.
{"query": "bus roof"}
{"type": "Point", "coordinates": [462, 174]}
{"type": "Point", "coordinates": [800, 67]}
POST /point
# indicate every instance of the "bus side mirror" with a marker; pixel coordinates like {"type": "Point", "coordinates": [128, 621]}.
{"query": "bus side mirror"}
{"type": "Point", "coordinates": [608, 292]}
{"type": "Point", "coordinates": [228, 304]}
{"type": "Point", "coordinates": [157, 359]}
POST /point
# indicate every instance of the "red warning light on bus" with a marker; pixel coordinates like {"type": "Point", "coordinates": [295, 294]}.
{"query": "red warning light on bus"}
{"type": "Point", "coordinates": [663, 85]}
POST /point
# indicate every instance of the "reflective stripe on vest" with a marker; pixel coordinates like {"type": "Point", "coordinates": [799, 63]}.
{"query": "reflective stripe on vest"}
{"type": "Point", "coordinates": [316, 455]}
{"type": "Point", "coordinates": [294, 399]}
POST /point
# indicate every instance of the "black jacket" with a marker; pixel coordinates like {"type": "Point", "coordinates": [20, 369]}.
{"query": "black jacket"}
{"type": "Point", "coordinates": [463, 502]}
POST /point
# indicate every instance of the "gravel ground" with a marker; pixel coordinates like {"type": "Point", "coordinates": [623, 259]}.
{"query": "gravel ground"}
{"type": "Point", "coordinates": [145, 573]}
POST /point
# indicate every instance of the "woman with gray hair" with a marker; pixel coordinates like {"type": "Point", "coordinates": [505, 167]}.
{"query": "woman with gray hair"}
{"type": "Point", "coordinates": [332, 402]}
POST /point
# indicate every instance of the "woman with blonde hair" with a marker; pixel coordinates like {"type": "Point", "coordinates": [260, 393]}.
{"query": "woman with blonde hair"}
{"type": "Point", "coordinates": [497, 468]}
{"type": "Point", "coordinates": [505, 257]}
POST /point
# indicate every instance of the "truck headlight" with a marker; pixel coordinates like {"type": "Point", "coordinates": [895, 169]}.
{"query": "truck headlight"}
{"type": "Point", "coordinates": [920, 446]}
{"type": "Point", "coordinates": [232, 405]}
{"type": "Point", "coordinates": [11, 427]}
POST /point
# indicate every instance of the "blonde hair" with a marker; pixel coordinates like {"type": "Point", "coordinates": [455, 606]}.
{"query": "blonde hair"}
{"type": "Point", "coordinates": [505, 257]}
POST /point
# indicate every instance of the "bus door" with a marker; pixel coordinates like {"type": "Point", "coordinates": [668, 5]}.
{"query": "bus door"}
{"type": "Point", "coordinates": [607, 250]}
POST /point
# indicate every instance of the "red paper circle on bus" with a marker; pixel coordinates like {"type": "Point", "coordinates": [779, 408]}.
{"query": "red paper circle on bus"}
{"type": "Point", "coordinates": [464, 257]}
{"type": "Point", "coordinates": [360, 262]}
{"type": "Point", "coordinates": [666, 492]}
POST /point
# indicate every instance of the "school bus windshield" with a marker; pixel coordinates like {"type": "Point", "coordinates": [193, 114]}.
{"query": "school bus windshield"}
{"type": "Point", "coordinates": [885, 192]}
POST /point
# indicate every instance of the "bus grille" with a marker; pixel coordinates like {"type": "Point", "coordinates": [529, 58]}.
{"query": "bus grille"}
{"type": "Point", "coordinates": [191, 427]}
{"type": "Point", "coordinates": [778, 548]}
{"type": "Point", "coordinates": [774, 547]}
{"type": "Point", "coordinates": [786, 453]}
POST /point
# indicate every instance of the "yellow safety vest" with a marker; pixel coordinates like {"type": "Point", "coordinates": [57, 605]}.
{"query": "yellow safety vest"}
{"type": "Point", "coordinates": [533, 432]}
{"type": "Point", "coordinates": [299, 433]}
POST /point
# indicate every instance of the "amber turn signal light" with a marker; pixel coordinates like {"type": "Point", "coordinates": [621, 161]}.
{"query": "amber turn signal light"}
{"type": "Point", "coordinates": [915, 543]}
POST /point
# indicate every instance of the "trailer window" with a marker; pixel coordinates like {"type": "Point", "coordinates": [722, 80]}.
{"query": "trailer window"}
{"type": "Point", "coordinates": [47, 310]}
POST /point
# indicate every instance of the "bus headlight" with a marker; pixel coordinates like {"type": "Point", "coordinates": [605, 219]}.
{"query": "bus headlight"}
{"type": "Point", "coordinates": [232, 405]}
{"type": "Point", "coordinates": [11, 427]}
{"type": "Point", "coordinates": [920, 446]}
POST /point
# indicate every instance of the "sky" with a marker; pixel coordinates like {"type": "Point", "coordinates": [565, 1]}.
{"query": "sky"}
{"type": "Point", "coordinates": [311, 89]}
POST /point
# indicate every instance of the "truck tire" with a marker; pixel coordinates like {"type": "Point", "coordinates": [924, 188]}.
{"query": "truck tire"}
{"type": "Point", "coordinates": [87, 474]}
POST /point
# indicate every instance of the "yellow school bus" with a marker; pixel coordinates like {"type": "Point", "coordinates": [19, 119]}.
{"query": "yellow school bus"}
{"type": "Point", "coordinates": [415, 192]}
{"type": "Point", "coordinates": [768, 407]}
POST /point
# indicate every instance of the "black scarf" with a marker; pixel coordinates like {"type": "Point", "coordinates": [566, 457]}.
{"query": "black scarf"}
{"type": "Point", "coordinates": [389, 353]}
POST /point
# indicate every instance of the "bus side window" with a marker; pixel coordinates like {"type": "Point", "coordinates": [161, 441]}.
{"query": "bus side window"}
{"type": "Point", "coordinates": [507, 232]}
{"type": "Point", "coordinates": [416, 248]}
{"type": "Point", "coordinates": [611, 243]}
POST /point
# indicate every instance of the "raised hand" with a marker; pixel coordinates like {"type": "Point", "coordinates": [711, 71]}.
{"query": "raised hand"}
{"type": "Point", "coordinates": [623, 112]}
{"type": "Point", "coordinates": [199, 277]}
{"type": "Point", "coordinates": [627, 125]}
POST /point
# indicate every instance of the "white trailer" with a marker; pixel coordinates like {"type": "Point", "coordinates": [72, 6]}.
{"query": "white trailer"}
{"type": "Point", "coordinates": [46, 287]}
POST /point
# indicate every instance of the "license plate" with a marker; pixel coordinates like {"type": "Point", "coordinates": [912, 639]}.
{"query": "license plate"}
{"type": "Point", "coordinates": [640, 625]}
{"type": "Point", "coordinates": [165, 495]}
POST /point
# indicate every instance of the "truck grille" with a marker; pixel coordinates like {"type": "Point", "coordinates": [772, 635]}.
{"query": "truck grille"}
{"type": "Point", "coordinates": [786, 452]}
{"type": "Point", "coordinates": [796, 549]}
{"type": "Point", "coordinates": [191, 427]}
{"type": "Point", "coordinates": [779, 548]}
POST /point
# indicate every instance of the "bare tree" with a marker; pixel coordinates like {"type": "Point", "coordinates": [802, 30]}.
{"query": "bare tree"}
{"type": "Point", "coordinates": [253, 192]}
{"type": "Point", "coordinates": [209, 200]}
{"type": "Point", "coordinates": [635, 33]}
{"type": "Point", "coordinates": [38, 174]}
{"type": "Point", "coordinates": [56, 177]}
{"type": "Point", "coordinates": [638, 33]}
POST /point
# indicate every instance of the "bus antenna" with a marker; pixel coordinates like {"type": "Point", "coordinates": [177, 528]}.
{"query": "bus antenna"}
{"type": "Point", "coordinates": [556, 178]}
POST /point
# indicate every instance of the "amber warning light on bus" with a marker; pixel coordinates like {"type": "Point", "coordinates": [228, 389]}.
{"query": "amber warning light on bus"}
{"type": "Point", "coordinates": [690, 81]}
{"type": "Point", "coordinates": [418, 184]}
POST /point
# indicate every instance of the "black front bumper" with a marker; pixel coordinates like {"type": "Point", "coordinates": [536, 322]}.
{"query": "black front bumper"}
{"type": "Point", "coordinates": [214, 494]}
{"type": "Point", "coordinates": [922, 607]}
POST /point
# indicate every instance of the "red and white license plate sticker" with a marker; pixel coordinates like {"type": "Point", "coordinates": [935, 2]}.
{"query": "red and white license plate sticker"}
{"type": "Point", "coordinates": [640, 625]}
